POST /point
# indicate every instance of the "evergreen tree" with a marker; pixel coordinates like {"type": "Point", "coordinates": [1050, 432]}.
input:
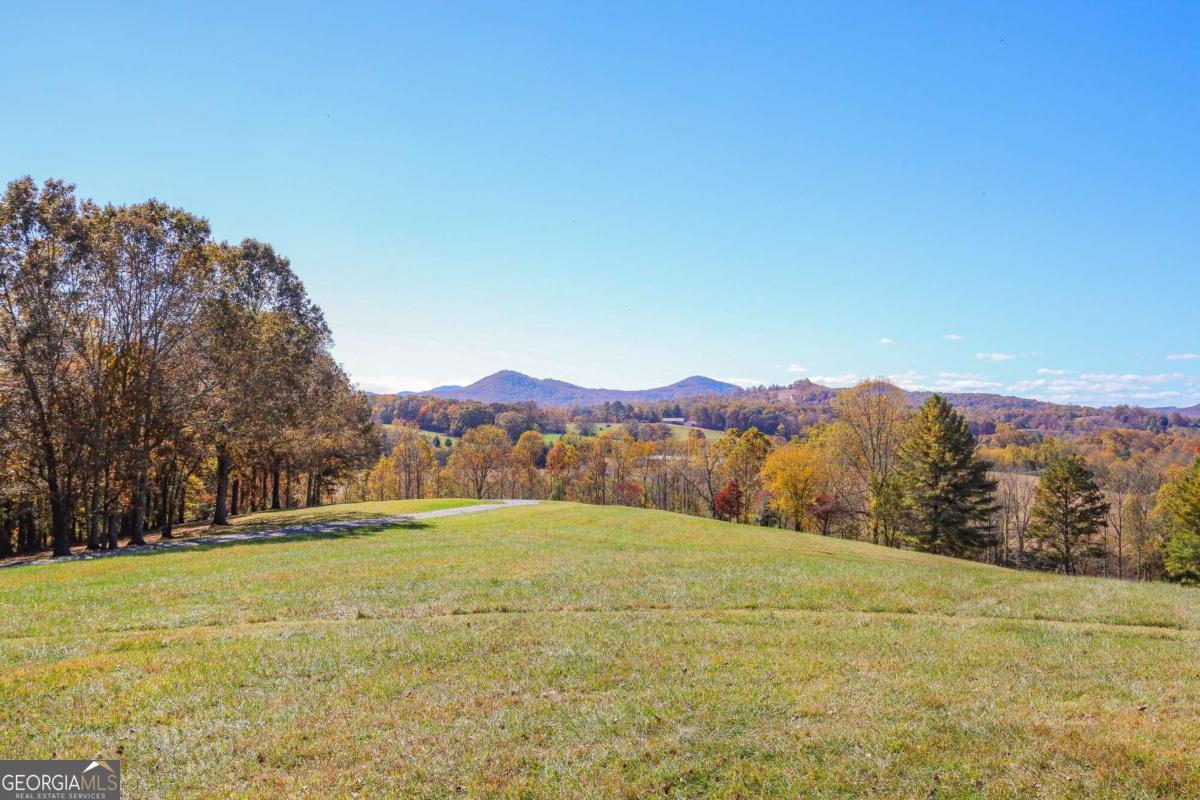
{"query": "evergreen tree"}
{"type": "Point", "coordinates": [1181, 507]}
{"type": "Point", "coordinates": [951, 499]}
{"type": "Point", "coordinates": [1068, 509]}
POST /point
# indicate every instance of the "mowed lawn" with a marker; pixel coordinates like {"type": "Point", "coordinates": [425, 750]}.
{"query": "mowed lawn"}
{"type": "Point", "coordinates": [585, 652]}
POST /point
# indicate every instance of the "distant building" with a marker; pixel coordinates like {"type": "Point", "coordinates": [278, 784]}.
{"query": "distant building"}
{"type": "Point", "coordinates": [674, 420]}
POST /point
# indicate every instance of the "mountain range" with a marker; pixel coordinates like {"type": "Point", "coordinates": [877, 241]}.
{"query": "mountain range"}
{"type": "Point", "coordinates": [508, 386]}
{"type": "Point", "coordinates": [1190, 411]}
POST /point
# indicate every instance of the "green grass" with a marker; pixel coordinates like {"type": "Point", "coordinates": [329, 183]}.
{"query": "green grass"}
{"type": "Point", "coordinates": [677, 431]}
{"type": "Point", "coordinates": [443, 437]}
{"type": "Point", "coordinates": [683, 432]}
{"type": "Point", "coordinates": [265, 520]}
{"type": "Point", "coordinates": [392, 432]}
{"type": "Point", "coordinates": [584, 652]}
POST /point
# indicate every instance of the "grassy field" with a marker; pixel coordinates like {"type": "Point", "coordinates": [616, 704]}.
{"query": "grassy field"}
{"type": "Point", "coordinates": [265, 520]}
{"type": "Point", "coordinates": [683, 432]}
{"type": "Point", "coordinates": [583, 652]}
{"type": "Point", "coordinates": [392, 433]}
{"type": "Point", "coordinates": [677, 431]}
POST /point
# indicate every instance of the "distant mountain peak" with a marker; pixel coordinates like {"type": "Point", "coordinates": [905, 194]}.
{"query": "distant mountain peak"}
{"type": "Point", "coordinates": [510, 386]}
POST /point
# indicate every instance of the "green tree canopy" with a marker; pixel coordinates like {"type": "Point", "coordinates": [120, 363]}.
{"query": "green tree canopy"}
{"type": "Point", "coordinates": [951, 498]}
{"type": "Point", "coordinates": [1180, 502]}
{"type": "Point", "coordinates": [1068, 509]}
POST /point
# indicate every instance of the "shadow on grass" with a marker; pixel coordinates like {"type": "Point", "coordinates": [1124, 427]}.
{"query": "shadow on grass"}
{"type": "Point", "coordinates": [239, 538]}
{"type": "Point", "coordinates": [345, 529]}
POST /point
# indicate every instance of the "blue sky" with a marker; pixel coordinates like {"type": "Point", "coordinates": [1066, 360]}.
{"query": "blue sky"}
{"type": "Point", "coordinates": [992, 196]}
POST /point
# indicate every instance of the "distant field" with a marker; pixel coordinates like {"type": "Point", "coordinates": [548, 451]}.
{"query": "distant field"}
{"type": "Point", "coordinates": [392, 431]}
{"type": "Point", "coordinates": [677, 431]}
{"type": "Point", "coordinates": [577, 651]}
{"type": "Point", "coordinates": [682, 432]}
{"type": "Point", "coordinates": [434, 436]}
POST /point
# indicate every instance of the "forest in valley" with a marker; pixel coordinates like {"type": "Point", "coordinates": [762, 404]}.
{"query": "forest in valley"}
{"type": "Point", "coordinates": [150, 375]}
{"type": "Point", "coordinates": [1015, 482]}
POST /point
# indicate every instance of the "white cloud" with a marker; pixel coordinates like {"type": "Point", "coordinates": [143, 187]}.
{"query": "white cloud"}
{"type": "Point", "coordinates": [849, 379]}
{"type": "Point", "coordinates": [1108, 388]}
{"type": "Point", "coordinates": [968, 385]}
{"type": "Point", "coordinates": [945, 382]}
{"type": "Point", "coordinates": [745, 382]}
{"type": "Point", "coordinates": [954, 337]}
{"type": "Point", "coordinates": [797, 368]}
{"type": "Point", "coordinates": [1184, 357]}
{"type": "Point", "coordinates": [994, 356]}
{"type": "Point", "coordinates": [886, 340]}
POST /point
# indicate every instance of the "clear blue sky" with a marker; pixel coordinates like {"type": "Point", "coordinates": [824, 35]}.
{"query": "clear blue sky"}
{"type": "Point", "coordinates": [624, 194]}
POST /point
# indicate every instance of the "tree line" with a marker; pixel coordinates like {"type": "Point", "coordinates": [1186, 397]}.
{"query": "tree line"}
{"type": "Point", "coordinates": [878, 471]}
{"type": "Point", "coordinates": [149, 374]}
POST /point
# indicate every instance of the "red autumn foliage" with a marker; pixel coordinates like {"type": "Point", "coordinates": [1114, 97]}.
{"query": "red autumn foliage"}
{"type": "Point", "coordinates": [728, 503]}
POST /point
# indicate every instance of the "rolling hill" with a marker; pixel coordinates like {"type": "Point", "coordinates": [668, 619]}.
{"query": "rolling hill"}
{"type": "Point", "coordinates": [508, 386]}
{"type": "Point", "coordinates": [1190, 411]}
{"type": "Point", "coordinates": [709, 401]}
{"type": "Point", "coordinates": [566, 651]}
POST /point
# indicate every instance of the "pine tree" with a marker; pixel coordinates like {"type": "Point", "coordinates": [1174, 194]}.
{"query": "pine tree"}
{"type": "Point", "coordinates": [950, 497]}
{"type": "Point", "coordinates": [1068, 509]}
{"type": "Point", "coordinates": [1181, 507]}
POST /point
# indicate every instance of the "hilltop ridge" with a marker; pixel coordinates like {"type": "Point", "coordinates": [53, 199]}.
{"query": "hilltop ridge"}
{"type": "Point", "coordinates": [509, 386]}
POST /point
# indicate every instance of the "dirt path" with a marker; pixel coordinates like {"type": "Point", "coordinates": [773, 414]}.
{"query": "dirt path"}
{"type": "Point", "coordinates": [274, 533]}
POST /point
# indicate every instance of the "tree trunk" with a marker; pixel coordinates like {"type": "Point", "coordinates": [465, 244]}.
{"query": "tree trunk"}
{"type": "Point", "coordinates": [137, 523]}
{"type": "Point", "coordinates": [275, 486]}
{"type": "Point", "coordinates": [27, 538]}
{"type": "Point", "coordinates": [220, 510]}
{"type": "Point", "coordinates": [6, 539]}
{"type": "Point", "coordinates": [93, 524]}
{"type": "Point", "coordinates": [181, 501]}
{"type": "Point", "coordinates": [234, 498]}
{"type": "Point", "coordinates": [165, 512]}
{"type": "Point", "coordinates": [60, 520]}
{"type": "Point", "coordinates": [114, 529]}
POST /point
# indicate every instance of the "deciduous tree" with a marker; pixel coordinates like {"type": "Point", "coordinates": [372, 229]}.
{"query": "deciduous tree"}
{"type": "Point", "coordinates": [478, 458]}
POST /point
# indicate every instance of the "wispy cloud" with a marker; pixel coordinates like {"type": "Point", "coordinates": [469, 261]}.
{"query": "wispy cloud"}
{"type": "Point", "coordinates": [886, 340]}
{"type": "Point", "coordinates": [849, 379]}
{"type": "Point", "coordinates": [1056, 385]}
{"type": "Point", "coordinates": [1108, 388]}
{"type": "Point", "coordinates": [954, 337]}
{"type": "Point", "coordinates": [745, 382]}
{"type": "Point", "coordinates": [994, 356]}
{"type": "Point", "coordinates": [945, 382]}
{"type": "Point", "coordinates": [385, 383]}
{"type": "Point", "coordinates": [797, 368]}
{"type": "Point", "coordinates": [1184, 357]}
